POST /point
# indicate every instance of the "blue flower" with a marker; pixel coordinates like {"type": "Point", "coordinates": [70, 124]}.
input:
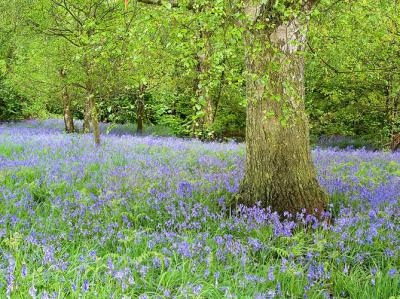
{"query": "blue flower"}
{"type": "Point", "coordinates": [392, 272]}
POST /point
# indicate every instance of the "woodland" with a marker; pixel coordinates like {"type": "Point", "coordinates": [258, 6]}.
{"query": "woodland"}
{"type": "Point", "coordinates": [200, 149]}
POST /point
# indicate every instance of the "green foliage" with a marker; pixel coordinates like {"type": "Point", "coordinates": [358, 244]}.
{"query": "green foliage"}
{"type": "Point", "coordinates": [11, 103]}
{"type": "Point", "coordinates": [193, 59]}
{"type": "Point", "coordinates": [352, 70]}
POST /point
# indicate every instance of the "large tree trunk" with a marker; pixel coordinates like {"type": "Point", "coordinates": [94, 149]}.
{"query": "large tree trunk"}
{"type": "Point", "coordinates": [279, 169]}
{"type": "Point", "coordinates": [66, 100]}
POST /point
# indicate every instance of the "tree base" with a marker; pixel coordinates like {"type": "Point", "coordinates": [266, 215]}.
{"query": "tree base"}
{"type": "Point", "coordinates": [311, 200]}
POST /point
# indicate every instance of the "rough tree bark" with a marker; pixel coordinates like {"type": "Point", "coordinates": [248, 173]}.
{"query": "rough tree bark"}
{"type": "Point", "coordinates": [66, 100]}
{"type": "Point", "coordinates": [279, 169]}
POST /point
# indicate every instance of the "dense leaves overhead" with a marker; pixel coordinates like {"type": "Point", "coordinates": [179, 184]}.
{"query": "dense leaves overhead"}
{"type": "Point", "coordinates": [190, 56]}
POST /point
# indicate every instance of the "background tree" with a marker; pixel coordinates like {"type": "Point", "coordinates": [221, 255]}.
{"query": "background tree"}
{"type": "Point", "coordinates": [352, 70]}
{"type": "Point", "coordinates": [93, 28]}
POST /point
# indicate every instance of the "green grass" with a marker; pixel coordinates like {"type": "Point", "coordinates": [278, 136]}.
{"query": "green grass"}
{"type": "Point", "coordinates": [65, 197]}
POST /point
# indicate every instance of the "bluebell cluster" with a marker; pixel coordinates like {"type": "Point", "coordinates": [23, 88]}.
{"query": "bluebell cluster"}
{"type": "Point", "coordinates": [149, 217]}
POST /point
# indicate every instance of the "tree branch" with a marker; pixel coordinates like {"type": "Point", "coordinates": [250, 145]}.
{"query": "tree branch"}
{"type": "Point", "coordinates": [174, 3]}
{"type": "Point", "coordinates": [334, 69]}
{"type": "Point", "coordinates": [67, 9]}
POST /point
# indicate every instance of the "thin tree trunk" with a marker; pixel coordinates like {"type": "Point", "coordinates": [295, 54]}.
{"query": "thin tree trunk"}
{"type": "Point", "coordinates": [95, 121]}
{"type": "Point", "coordinates": [203, 72]}
{"type": "Point", "coordinates": [392, 113]}
{"type": "Point", "coordinates": [68, 118]}
{"type": "Point", "coordinates": [279, 168]}
{"type": "Point", "coordinates": [196, 91]}
{"type": "Point", "coordinates": [140, 109]}
{"type": "Point", "coordinates": [218, 97]}
{"type": "Point", "coordinates": [91, 108]}
{"type": "Point", "coordinates": [10, 56]}
{"type": "Point", "coordinates": [91, 104]}
{"type": "Point", "coordinates": [66, 100]}
{"type": "Point", "coordinates": [395, 142]}
{"type": "Point", "coordinates": [87, 117]}
{"type": "Point", "coordinates": [208, 112]}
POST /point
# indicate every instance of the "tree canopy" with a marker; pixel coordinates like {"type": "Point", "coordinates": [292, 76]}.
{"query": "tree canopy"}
{"type": "Point", "coordinates": [186, 61]}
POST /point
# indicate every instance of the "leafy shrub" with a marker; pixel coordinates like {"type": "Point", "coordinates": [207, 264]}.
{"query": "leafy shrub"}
{"type": "Point", "coordinates": [11, 103]}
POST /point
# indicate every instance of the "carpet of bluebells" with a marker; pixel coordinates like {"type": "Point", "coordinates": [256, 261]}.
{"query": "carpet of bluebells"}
{"type": "Point", "coordinates": [147, 217]}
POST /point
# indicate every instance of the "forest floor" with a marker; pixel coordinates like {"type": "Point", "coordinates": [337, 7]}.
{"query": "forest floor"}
{"type": "Point", "coordinates": [146, 217]}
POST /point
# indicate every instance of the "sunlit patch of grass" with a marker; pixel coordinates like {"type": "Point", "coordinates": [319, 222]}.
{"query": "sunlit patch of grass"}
{"type": "Point", "coordinates": [7, 150]}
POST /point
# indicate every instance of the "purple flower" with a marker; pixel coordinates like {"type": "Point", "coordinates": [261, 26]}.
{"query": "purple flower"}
{"type": "Point", "coordinates": [45, 295]}
{"type": "Point", "coordinates": [48, 254]}
{"type": "Point", "coordinates": [271, 276]}
{"type": "Point", "coordinates": [216, 276]}
{"type": "Point", "coordinates": [260, 296]}
{"type": "Point", "coordinates": [10, 276]}
{"type": "Point", "coordinates": [172, 196]}
{"type": "Point", "coordinates": [184, 189]}
{"type": "Point", "coordinates": [156, 262]}
{"type": "Point", "coordinates": [197, 289]}
{"type": "Point", "coordinates": [32, 291]}
{"type": "Point", "coordinates": [110, 264]}
{"type": "Point", "coordinates": [24, 271]}
{"type": "Point", "coordinates": [346, 269]}
{"type": "Point", "coordinates": [85, 286]}
{"type": "Point", "coordinates": [167, 293]}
